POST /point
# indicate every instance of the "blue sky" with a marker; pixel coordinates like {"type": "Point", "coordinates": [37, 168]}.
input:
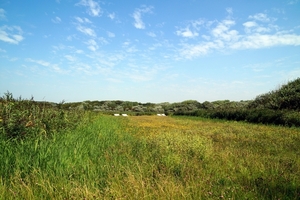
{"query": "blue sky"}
{"type": "Point", "coordinates": [148, 51]}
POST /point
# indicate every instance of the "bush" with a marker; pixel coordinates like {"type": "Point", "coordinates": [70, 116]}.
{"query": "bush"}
{"type": "Point", "coordinates": [22, 118]}
{"type": "Point", "coordinates": [292, 118]}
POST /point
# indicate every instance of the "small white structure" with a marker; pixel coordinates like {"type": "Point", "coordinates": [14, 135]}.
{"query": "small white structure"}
{"type": "Point", "coordinates": [161, 115]}
{"type": "Point", "coordinates": [116, 114]}
{"type": "Point", "coordinates": [124, 115]}
{"type": "Point", "coordinates": [158, 114]}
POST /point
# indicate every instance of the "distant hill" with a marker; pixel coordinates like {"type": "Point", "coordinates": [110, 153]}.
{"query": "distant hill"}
{"type": "Point", "coordinates": [287, 97]}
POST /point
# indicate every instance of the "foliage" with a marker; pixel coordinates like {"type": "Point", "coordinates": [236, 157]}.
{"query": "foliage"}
{"type": "Point", "coordinates": [279, 107]}
{"type": "Point", "coordinates": [287, 97]}
{"type": "Point", "coordinates": [151, 157]}
{"type": "Point", "coordinates": [27, 118]}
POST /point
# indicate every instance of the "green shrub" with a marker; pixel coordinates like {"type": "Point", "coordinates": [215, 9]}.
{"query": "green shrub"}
{"type": "Point", "coordinates": [292, 118]}
{"type": "Point", "coordinates": [23, 118]}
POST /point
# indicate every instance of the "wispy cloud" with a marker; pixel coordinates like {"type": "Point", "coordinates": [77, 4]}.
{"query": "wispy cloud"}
{"type": "Point", "coordinates": [151, 34]}
{"type": "Point", "coordinates": [70, 58]}
{"type": "Point", "coordinates": [53, 67]}
{"type": "Point", "coordinates": [137, 15]}
{"type": "Point", "coordinates": [112, 16]}
{"type": "Point", "coordinates": [139, 73]}
{"type": "Point", "coordinates": [260, 17]}
{"type": "Point", "coordinates": [110, 34]}
{"type": "Point", "coordinates": [229, 11]}
{"type": "Point", "coordinates": [40, 62]}
{"type": "Point", "coordinates": [83, 20]}
{"type": "Point", "coordinates": [93, 7]}
{"type": "Point", "coordinates": [11, 34]}
{"type": "Point", "coordinates": [86, 31]}
{"type": "Point", "coordinates": [2, 14]}
{"type": "Point", "coordinates": [191, 30]}
{"type": "Point", "coordinates": [56, 20]}
{"type": "Point", "coordinates": [259, 33]}
{"type": "Point", "coordinates": [259, 41]}
{"type": "Point", "coordinates": [222, 31]}
{"type": "Point", "coordinates": [292, 2]}
{"type": "Point", "coordinates": [92, 45]}
{"type": "Point", "coordinates": [190, 51]}
{"type": "Point", "coordinates": [186, 33]}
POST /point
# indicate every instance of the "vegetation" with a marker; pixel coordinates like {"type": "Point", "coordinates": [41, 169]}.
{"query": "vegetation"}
{"type": "Point", "coordinates": [66, 151]}
{"type": "Point", "coordinates": [151, 157]}
{"type": "Point", "coordinates": [20, 118]}
{"type": "Point", "coordinates": [278, 107]}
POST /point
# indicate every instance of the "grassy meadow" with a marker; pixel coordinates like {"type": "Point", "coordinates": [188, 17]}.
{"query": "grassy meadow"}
{"type": "Point", "coordinates": [152, 157]}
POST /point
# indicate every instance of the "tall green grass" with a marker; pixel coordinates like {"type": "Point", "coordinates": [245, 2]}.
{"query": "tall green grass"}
{"type": "Point", "coordinates": [108, 157]}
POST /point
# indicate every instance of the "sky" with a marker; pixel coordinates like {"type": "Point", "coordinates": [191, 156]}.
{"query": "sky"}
{"type": "Point", "coordinates": [147, 50]}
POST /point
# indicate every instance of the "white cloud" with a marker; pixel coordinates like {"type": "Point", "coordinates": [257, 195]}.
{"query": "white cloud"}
{"type": "Point", "coordinates": [87, 31]}
{"type": "Point", "coordinates": [292, 2]}
{"type": "Point", "coordinates": [40, 62]}
{"type": "Point", "coordinates": [191, 30]}
{"type": "Point", "coordinates": [253, 26]}
{"type": "Point", "coordinates": [79, 51]}
{"type": "Point", "coordinates": [137, 15]}
{"type": "Point", "coordinates": [110, 34]}
{"type": "Point", "coordinates": [83, 20]}
{"type": "Point", "coordinates": [187, 33]}
{"type": "Point", "coordinates": [93, 7]}
{"type": "Point", "coordinates": [2, 14]}
{"type": "Point", "coordinates": [92, 45]}
{"type": "Point", "coordinates": [11, 34]}
{"type": "Point", "coordinates": [249, 24]}
{"type": "Point", "coordinates": [258, 41]}
{"type": "Point", "coordinates": [54, 67]}
{"type": "Point", "coordinates": [191, 51]}
{"type": "Point", "coordinates": [70, 58]}
{"type": "Point", "coordinates": [223, 36]}
{"type": "Point", "coordinates": [56, 20]}
{"type": "Point", "coordinates": [260, 17]}
{"type": "Point", "coordinates": [229, 11]}
{"type": "Point", "coordinates": [151, 34]}
{"type": "Point", "coordinates": [223, 32]}
{"type": "Point", "coordinates": [111, 16]}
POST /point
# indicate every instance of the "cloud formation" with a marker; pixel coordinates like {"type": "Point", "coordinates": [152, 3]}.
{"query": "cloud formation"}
{"type": "Point", "coordinates": [86, 31]}
{"type": "Point", "coordinates": [92, 45]}
{"type": "Point", "coordinates": [56, 20]}
{"type": "Point", "coordinates": [191, 30]}
{"type": "Point", "coordinates": [53, 67]}
{"type": "Point", "coordinates": [187, 33]}
{"type": "Point", "coordinates": [137, 15]}
{"type": "Point", "coordinates": [93, 7]}
{"type": "Point", "coordinates": [11, 34]}
{"type": "Point", "coordinates": [259, 33]}
{"type": "Point", "coordinates": [2, 14]}
{"type": "Point", "coordinates": [83, 20]}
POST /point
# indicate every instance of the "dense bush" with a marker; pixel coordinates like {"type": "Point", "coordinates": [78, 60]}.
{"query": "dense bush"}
{"type": "Point", "coordinates": [286, 97]}
{"type": "Point", "coordinates": [263, 116]}
{"type": "Point", "coordinates": [24, 118]}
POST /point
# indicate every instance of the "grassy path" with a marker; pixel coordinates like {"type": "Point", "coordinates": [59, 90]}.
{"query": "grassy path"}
{"type": "Point", "coordinates": [151, 157]}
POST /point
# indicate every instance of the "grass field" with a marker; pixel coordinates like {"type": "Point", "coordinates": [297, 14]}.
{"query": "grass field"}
{"type": "Point", "coordinates": [151, 157]}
